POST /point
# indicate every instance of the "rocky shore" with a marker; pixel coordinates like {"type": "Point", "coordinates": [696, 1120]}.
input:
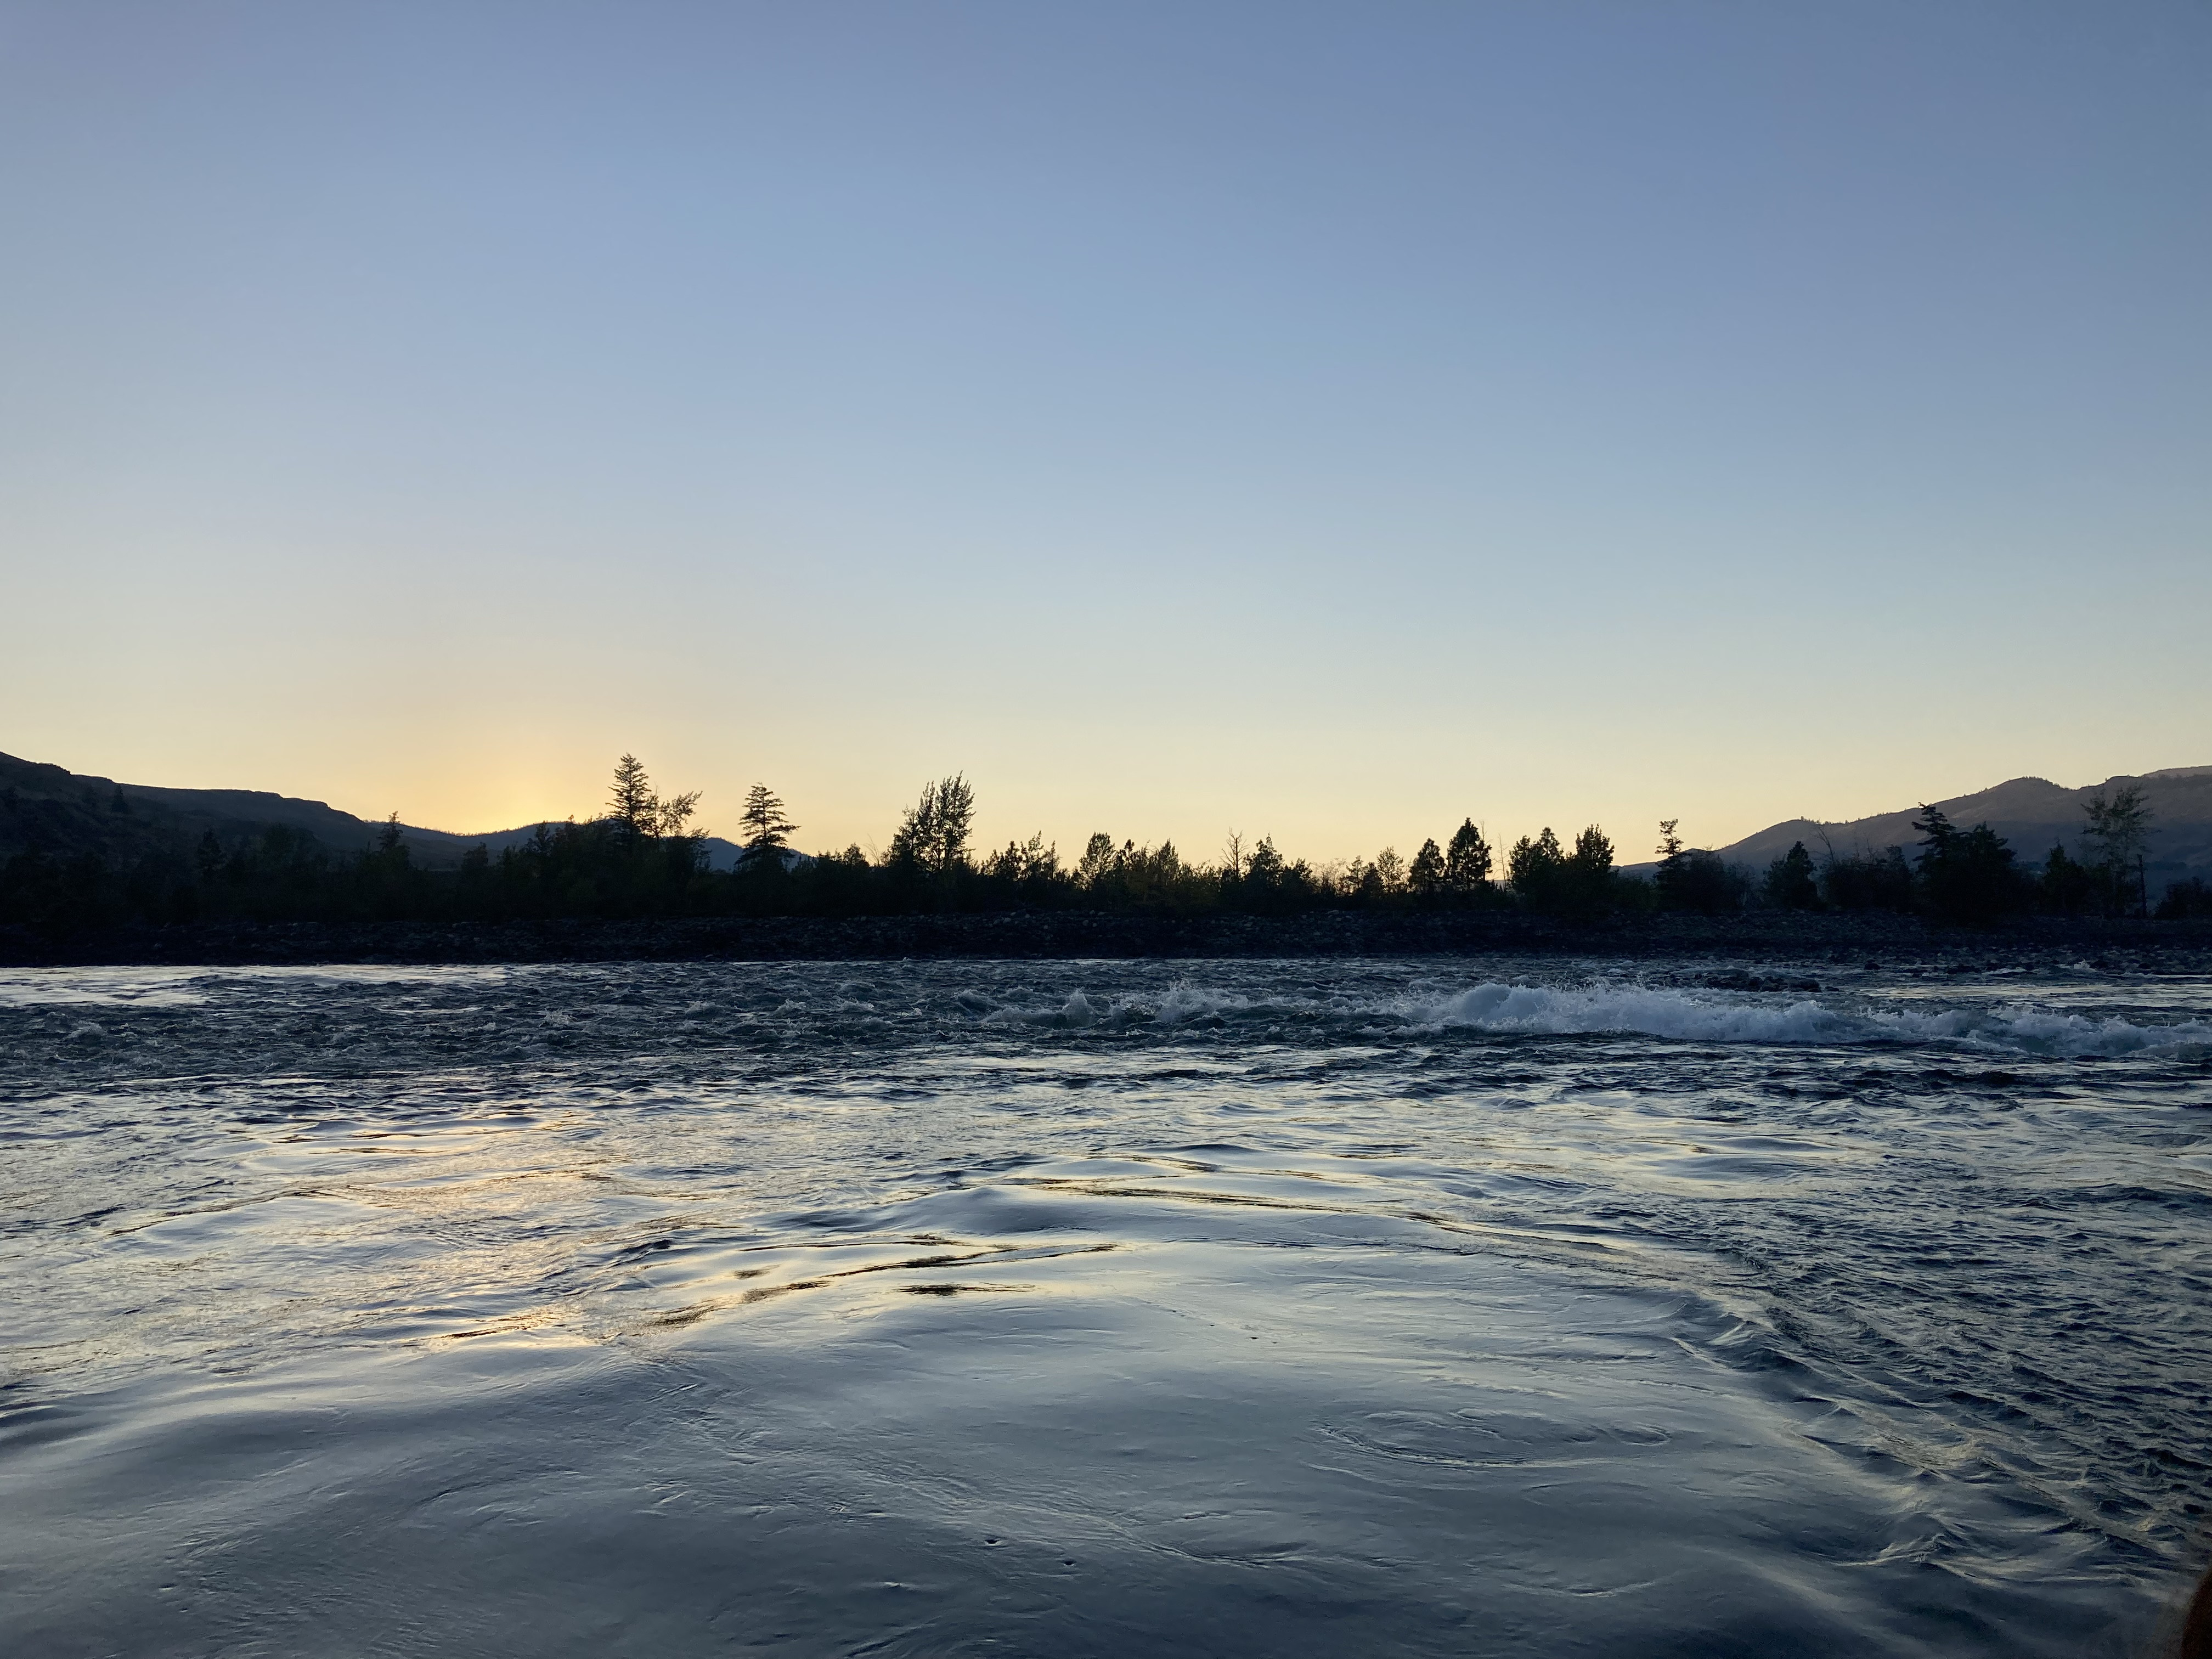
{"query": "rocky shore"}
{"type": "Point", "coordinates": [2185, 946]}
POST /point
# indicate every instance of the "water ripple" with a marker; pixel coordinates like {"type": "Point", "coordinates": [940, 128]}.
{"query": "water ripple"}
{"type": "Point", "coordinates": [1099, 1307]}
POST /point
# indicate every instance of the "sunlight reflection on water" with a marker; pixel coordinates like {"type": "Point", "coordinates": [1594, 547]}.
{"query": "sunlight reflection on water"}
{"type": "Point", "coordinates": [1071, 1308]}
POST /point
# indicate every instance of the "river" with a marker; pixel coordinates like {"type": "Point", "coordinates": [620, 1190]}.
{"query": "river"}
{"type": "Point", "coordinates": [1371, 1307]}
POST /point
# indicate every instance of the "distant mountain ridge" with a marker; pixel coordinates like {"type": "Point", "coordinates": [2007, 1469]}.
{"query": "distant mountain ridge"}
{"type": "Point", "coordinates": [63, 812]}
{"type": "Point", "coordinates": [2033, 814]}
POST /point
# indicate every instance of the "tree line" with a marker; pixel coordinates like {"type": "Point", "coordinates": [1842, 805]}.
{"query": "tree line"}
{"type": "Point", "coordinates": [645, 856]}
{"type": "Point", "coordinates": [1955, 874]}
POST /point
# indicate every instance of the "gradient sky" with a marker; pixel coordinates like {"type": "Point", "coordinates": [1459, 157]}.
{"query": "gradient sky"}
{"type": "Point", "coordinates": [1327, 421]}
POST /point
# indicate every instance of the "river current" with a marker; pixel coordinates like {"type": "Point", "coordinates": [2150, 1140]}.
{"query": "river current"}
{"type": "Point", "coordinates": [1066, 1309]}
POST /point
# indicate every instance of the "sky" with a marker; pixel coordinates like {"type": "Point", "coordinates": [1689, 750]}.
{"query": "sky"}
{"type": "Point", "coordinates": [1327, 421]}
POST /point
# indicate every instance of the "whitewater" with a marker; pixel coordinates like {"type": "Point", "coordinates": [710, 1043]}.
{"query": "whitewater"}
{"type": "Point", "coordinates": [1391, 1307]}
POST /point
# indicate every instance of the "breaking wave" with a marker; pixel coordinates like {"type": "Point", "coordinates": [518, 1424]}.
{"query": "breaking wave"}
{"type": "Point", "coordinates": [1599, 1010]}
{"type": "Point", "coordinates": [1669, 1013]}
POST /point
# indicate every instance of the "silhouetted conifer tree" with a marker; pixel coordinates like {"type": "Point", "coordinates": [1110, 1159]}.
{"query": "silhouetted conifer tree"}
{"type": "Point", "coordinates": [2068, 885]}
{"type": "Point", "coordinates": [1467, 862]}
{"type": "Point", "coordinates": [632, 801]}
{"type": "Point", "coordinates": [1689, 879]}
{"type": "Point", "coordinates": [1535, 868]}
{"type": "Point", "coordinates": [766, 828]}
{"type": "Point", "coordinates": [1426, 877]}
{"type": "Point", "coordinates": [1668, 879]}
{"type": "Point", "coordinates": [1266, 865]}
{"type": "Point", "coordinates": [1789, 882]}
{"type": "Point", "coordinates": [1964, 875]}
{"type": "Point", "coordinates": [1586, 875]}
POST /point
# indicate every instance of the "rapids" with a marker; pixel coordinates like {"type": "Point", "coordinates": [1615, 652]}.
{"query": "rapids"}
{"type": "Point", "coordinates": [1102, 1307]}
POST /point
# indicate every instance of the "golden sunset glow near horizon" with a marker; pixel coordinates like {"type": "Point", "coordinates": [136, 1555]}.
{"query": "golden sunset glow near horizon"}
{"type": "Point", "coordinates": [1327, 425]}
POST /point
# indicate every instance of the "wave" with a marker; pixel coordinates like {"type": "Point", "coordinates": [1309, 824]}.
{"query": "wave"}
{"type": "Point", "coordinates": [1670, 1013]}
{"type": "Point", "coordinates": [1627, 1009]}
{"type": "Point", "coordinates": [193, 986]}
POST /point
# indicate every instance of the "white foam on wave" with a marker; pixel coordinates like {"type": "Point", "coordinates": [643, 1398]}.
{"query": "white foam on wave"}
{"type": "Point", "coordinates": [1076, 1013]}
{"type": "Point", "coordinates": [1689, 1017]}
{"type": "Point", "coordinates": [1550, 1010]}
{"type": "Point", "coordinates": [1646, 1011]}
{"type": "Point", "coordinates": [191, 987]}
{"type": "Point", "coordinates": [157, 988]}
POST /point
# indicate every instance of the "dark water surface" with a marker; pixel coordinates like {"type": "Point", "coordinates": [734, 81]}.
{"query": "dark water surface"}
{"type": "Point", "coordinates": [1086, 1308]}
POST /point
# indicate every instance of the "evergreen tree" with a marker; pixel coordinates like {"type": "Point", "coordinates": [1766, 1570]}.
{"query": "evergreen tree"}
{"type": "Point", "coordinates": [2067, 884]}
{"type": "Point", "coordinates": [1789, 884]}
{"type": "Point", "coordinates": [1669, 878]}
{"type": "Point", "coordinates": [1965, 875]}
{"type": "Point", "coordinates": [632, 800]}
{"type": "Point", "coordinates": [766, 828]}
{"type": "Point", "coordinates": [637, 815]}
{"type": "Point", "coordinates": [1690, 879]}
{"type": "Point", "coordinates": [1592, 852]}
{"type": "Point", "coordinates": [1265, 869]}
{"type": "Point", "coordinates": [1938, 835]}
{"type": "Point", "coordinates": [1274, 884]}
{"type": "Point", "coordinates": [1535, 868]}
{"type": "Point", "coordinates": [1587, 873]}
{"type": "Point", "coordinates": [1467, 862]}
{"type": "Point", "coordinates": [1426, 877]}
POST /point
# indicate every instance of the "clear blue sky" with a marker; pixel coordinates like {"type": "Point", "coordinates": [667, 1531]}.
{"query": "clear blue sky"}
{"type": "Point", "coordinates": [1327, 421]}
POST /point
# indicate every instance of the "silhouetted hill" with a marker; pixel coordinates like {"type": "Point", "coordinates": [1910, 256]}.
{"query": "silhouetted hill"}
{"type": "Point", "coordinates": [2033, 814]}
{"type": "Point", "coordinates": [67, 813]}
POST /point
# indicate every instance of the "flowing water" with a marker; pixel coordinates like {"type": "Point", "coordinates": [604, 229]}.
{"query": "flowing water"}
{"type": "Point", "coordinates": [1098, 1307]}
